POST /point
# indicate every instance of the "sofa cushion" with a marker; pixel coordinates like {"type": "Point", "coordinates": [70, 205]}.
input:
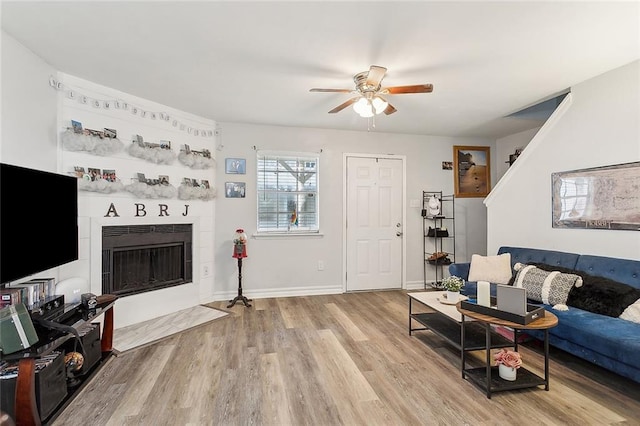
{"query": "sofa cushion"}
{"type": "Point", "coordinates": [603, 296]}
{"type": "Point", "coordinates": [549, 257]}
{"type": "Point", "coordinates": [611, 337]}
{"type": "Point", "coordinates": [548, 287]}
{"type": "Point", "coordinates": [495, 269]}
{"type": "Point", "coordinates": [621, 270]}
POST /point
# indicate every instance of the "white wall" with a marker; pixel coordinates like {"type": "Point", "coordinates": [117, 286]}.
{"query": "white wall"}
{"type": "Point", "coordinates": [508, 145]}
{"type": "Point", "coordinates": [598, 124]}
{"type": "Point", "coordinates": [288, 266]}
{"type": "Point", "coordinates": [28, 108]}
{"type": "Point", "coordinates": [30, 137]}
{"type": "Point", "coordinates": [28, 113]}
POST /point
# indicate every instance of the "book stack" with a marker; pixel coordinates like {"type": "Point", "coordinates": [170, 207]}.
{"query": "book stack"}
{"type": "Point", "coordinates": [30, 292]}
{"type": "Point", "coordinates": [10, 296]}
{"type": "Point", "coordinates": [9, 370]}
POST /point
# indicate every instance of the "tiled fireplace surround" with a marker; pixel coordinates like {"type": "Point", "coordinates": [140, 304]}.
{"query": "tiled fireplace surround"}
{"type": "Point", "coordinates": [143, 306]}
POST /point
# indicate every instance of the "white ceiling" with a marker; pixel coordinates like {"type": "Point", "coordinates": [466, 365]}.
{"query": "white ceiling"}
{"type": "Point", "coordinates": [254, 62]}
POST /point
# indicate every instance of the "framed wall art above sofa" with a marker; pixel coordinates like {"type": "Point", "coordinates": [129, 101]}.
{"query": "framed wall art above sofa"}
{"type": "Point", "coordinates": [604, 197]}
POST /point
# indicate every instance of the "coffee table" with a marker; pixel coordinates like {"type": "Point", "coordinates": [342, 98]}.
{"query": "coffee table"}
{"type": "Point", "coordinates": [487, 377]}
{"type": "Point", "coordinates": [445, 321]}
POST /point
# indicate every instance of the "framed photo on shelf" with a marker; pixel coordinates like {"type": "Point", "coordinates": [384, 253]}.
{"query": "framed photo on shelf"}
{"type": "Point", "coordinates": [471, 171]}
{"type": "Point", "coordinates": [96, 174]}
{"type": "Point", "coordinates": [234, 189]}
{"type": "Point", "coordinates": [236, 166]}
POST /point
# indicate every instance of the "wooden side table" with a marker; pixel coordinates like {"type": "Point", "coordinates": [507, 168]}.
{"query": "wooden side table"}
{"type": "Point", "coordinates": [487, 377]}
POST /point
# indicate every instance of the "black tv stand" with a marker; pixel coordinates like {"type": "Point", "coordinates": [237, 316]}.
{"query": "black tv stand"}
{"type": "Point", "coordinates": [98, 350]}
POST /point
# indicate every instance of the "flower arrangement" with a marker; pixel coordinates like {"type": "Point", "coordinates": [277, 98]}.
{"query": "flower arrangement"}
{"type": "Point", "coordinates": [452, 283]}
{"type": "Point", "coordinates": [508, 358]}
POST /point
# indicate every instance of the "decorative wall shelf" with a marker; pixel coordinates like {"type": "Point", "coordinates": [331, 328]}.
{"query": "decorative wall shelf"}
{"type": "Point", "coordinates": [91, 144]}
{"type": "Point", "coordinates": [156, 155]}
{"type": "Point", "coordinates": [143, 190]}
{"type": "Point", "coordinates": [186, 192]}
{"type": "Point", "coordinates": [197, 160]}
{"type": "Point", "coordinates": [101, 185]}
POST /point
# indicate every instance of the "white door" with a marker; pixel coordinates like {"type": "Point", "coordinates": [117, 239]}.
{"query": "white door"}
{"type": "Point", "coordinates": [374, 223]}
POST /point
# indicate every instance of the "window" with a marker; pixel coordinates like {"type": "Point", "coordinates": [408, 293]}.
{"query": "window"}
{"type": "Point", "coordinates": [287, 193]}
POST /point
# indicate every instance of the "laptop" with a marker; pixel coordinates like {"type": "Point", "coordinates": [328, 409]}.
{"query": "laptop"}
{"type": "Point", "coordinates": [512, 299]}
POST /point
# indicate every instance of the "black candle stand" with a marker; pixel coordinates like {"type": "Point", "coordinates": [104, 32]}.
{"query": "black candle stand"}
{"type": "Point", "coordinates": [240, 297]}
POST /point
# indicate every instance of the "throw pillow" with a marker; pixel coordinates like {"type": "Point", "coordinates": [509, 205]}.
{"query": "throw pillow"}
{"type": "Point", "coordinates": [495, 269]}
{"type": "Point", "coordinates": [632, 313]}
{"type": "Point", "coordinates": [552, 268]}
{"type": "Point", "coordinates": [603, 296]}
{"type": "Point", "coordinates": [550, 287]}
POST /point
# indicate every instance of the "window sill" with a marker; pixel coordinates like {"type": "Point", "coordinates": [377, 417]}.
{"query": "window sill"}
{"type": "Point", "coordinates": [286, 235]}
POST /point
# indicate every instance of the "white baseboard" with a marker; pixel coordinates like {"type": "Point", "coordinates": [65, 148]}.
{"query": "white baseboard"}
{"type": "Point", "coordinates": [280, 292]}
{"type": "Point", "coordinates": [415, 285]}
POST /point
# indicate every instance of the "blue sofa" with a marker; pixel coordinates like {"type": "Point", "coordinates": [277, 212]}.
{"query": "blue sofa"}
{"type": "Point", "coordinates": [609, 342]}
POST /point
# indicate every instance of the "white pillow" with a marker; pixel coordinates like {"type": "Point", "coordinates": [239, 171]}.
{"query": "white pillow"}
{"type": "Point", "coordinates": [632, 313]}
{"type": "Point", "coordinates": [495, 269]}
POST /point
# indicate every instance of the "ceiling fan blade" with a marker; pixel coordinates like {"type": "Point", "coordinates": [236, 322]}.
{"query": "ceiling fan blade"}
{"type": "Point", "coordinates": [375, 76]}
{"type": "Point", "coordinates": [390, 109]}
{"type": "Point", "coordinates": [332, 90]}
{"type": "Point", "coordinates": [344, 105]}
{"type": "Point", "coordinates": [418, 88]}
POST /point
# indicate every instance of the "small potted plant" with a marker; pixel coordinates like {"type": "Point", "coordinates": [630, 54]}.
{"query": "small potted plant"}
{"type": "Point", "coordinates": [452, 285]}
{"type": "Point", "coordinates": [508, 362]}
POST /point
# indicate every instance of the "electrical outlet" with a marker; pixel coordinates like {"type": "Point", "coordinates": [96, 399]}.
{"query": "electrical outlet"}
{"type": "Point", "coordinates": [320, 265]}
{"type": "Point", "coordinates": [205, 271]}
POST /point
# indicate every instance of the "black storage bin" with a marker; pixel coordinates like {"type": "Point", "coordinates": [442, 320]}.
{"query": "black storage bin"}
{"type": "Point", "coordinates": [51, 385]}
{"type": "Point", "coordinates": [92, 346]}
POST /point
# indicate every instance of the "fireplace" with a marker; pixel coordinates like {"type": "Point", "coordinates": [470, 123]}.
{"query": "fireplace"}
{"type": "Point", "coordinates": [141, 258]}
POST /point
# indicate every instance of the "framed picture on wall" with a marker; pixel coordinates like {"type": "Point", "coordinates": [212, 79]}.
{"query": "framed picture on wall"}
{"type": "Point", "coordinates": [603, 197]}
{"type": "Point", "coordinates": [236, 166]}
{"type": "Point", "coordinates": [471, 171]}
{"type": "Point", "coordinates": [234, 189]}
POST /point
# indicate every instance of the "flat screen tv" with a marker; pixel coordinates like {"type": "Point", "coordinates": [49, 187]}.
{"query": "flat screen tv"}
{"type": "Point", "coordinates": [38, 221]}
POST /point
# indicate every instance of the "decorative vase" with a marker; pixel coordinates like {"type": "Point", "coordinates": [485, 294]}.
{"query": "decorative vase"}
{"type": "Point", "coordinates": [507, 373]}
{"type": "Point", "coordinates": [453, 296]}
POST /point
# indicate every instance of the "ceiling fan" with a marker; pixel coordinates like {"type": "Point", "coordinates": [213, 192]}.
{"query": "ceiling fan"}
{"type": "Point", "coordinates": [369, 101]}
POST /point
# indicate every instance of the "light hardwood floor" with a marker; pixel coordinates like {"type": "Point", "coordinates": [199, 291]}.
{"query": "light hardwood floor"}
{"type": "Point", "coordinates": [333, 360]}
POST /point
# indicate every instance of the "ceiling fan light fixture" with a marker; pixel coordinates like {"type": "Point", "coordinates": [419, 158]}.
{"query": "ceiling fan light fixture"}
{"type": "Point", "coordinates": [363, 107]}
{"type": "Point", "coordinates": [367, 101]}
{"type": "Point", "coordinates": [367, 113]}
{"type": "Point", "coordinates": [379, 104]}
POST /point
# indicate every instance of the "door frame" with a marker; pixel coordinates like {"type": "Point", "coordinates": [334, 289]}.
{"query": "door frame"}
{"type": "Point", "coordinates": [403, 267]}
